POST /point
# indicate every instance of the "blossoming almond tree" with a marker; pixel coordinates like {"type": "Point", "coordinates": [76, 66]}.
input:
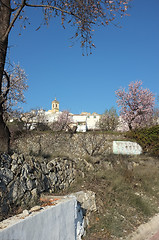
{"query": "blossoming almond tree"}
{"type": "Point", "coordinates": [109, 120]}
{"type": "Point", "coordinates": [13, 86]}
{"type": "Point", "coordinates": [63, 121]}
{"type": "Point", "coordinates": [81, 14]}
{"type": "Point", "coordinates": [14, 83]}
{"type": "Point", "coordinates": [136, 105]}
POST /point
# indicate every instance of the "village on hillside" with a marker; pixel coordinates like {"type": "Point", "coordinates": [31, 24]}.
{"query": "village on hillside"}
{"type": "Point", "coordinates": [83, 122]}
{"type": "Point", "coordinates": [77, 122]}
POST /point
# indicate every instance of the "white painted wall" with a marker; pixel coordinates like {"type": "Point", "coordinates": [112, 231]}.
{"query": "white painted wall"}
{"type": "Point", "coordinates": [58, 222]}
{"type": "Point", "coordinates": [84, 122]}
{"type": "Point", "coordinates": [79, 118]}
{"type": "Point", "coordinates": [91, 121]}
{"type": "Point", "coordinates": [51, 117]}
{"type": "Point", "coordinates": [81, 128]}
{"type": "Point", "coordinates": [126, 147]}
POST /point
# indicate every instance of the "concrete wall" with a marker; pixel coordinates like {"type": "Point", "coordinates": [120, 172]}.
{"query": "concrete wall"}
{"type": "Point", "coordinates": [126, 147]}
{"type": "Point", "coordinates": [52, 223]}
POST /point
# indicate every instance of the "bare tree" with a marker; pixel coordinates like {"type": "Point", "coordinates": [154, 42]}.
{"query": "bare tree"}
{"type": "Point", "coordinates": [81, 14]}
{"type": "Point", "coordinates": [92, 142]}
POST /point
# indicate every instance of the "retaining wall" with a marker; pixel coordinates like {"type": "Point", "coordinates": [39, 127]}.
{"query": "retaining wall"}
{"type": "Point", "coordinates": [57, 222]}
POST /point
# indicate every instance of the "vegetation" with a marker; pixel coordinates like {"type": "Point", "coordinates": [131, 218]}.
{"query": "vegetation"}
{"type": "Point", "coordinates": [148, 138]}
{"type": "Point", "coordinates": [125, 196]}
{"type": "Point", "coordinates": [109, 120]}
{"type": "Point", "coordinates": [14, 85]}
{"type": "Point", "coordinates": [136, 105]}
{"type": "Point", "coordinates": [126, 187]}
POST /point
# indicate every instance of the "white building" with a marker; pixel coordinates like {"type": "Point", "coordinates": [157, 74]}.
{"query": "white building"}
{"type": "Point", "coordinates": [84, 121]}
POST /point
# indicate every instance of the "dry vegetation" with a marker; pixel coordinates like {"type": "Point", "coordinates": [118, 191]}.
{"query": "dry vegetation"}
{"type": "Point", "coordinates": [126, 188]}
{"type": "Point", "coordinates": [125, 196]}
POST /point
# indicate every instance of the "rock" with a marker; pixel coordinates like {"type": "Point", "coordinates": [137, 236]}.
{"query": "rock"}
{"type": "Point", "coordinates": [35, 209]}
{"type": "Point", "coordinates": [86, 199]}
{"type": "Point", "coordinates": [25, 213]}
{"type": "Point", "coordinates": [26, 200]}
{"type": "Point", "coordinates": [37, 165]}
{"type": "Point", "coordinates": [20, 159]}
{"type": "Point", "coordinates": [34, 193]}
{"type": "Point", "coordinates": [14, 192]}
{"type": "Point", "coordinates": [53, 178]}
{"type": "Point", "coordinates": [6, 175]}
{"type": "Point", "coordinates": [80, 223]}
{"type": "Point", "coordinates": [25, 170]}
{"type": "Point", "coordinates": [5, 161]}
{"type": "Point", "coordinates": [23, 186]}
{"type": "Point", "coordinates": [30, 184]}
{"type": "Point", "coordinates": [51, 165]}
{"type": "Point", "coordinates": [14, 166]}
{"type": "Point", "coordinates": [15, 157]}
{"type": "Point", "coordinates": [40, 185]}
{"type": "Point", "coordinates": [44, 168]}
{"type": "Point", "coordinates": [85, 205]}
{"type": "Point", "coordinates": [24, 178]}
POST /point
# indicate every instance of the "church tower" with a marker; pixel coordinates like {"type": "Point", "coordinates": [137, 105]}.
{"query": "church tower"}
{"type": "Point", "coordinates": [55, 106]}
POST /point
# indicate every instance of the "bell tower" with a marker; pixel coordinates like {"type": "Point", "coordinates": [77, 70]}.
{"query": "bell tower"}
{"type": "Point", "coordinates": [55, 106]}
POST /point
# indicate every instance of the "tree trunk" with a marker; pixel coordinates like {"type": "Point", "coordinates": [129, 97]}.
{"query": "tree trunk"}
{"type": "Point", "coordinates": [4, 135]}
{"type": "Point", "coordinates": [5, 14]}
{"type": "Point", "coordinates": [130, 126]}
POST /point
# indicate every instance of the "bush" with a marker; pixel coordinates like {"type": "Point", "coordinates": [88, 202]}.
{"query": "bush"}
{"type": "Point", "coordinates": [148, 138]}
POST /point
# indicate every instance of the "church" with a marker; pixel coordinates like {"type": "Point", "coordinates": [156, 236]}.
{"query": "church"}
{"type": "Point", "coordinates": [84, 121]}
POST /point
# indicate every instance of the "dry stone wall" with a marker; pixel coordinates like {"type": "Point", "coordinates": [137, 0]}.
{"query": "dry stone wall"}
{"type": "Point", "coordinates": [22, 179]}
{"type": "Point", "coordinates": [77, 145]}
{"type": "Point", "coordinates": [48, 162]}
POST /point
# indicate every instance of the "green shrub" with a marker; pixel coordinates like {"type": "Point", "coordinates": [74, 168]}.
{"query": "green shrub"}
{"type": "Point", "coordinates": [148, 138]}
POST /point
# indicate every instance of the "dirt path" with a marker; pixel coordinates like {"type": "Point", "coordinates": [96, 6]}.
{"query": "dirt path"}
{"type": "Point", "coordinates": [147, 231]}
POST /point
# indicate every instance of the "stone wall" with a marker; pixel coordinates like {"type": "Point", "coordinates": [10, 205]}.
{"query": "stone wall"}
{"type": "Point", "coordinates": [50, 162]}
{"type": "Point", "coordinates": [76, 145]}
{"type": "Point", "coordinates": [22, 179]}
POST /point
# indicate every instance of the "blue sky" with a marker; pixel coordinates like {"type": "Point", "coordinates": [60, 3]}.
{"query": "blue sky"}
{"type": "Point", "coordinates": [88, 83]}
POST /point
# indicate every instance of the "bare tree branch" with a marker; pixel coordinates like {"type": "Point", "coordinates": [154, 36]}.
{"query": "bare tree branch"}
{"type": "Point", "coordinates": [14, 19]}
{"type": "Point", "coordinates": [56, 8]}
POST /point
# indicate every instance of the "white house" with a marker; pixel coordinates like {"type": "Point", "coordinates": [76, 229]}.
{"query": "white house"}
{"type": "Point", "coordinates": [84, 121]}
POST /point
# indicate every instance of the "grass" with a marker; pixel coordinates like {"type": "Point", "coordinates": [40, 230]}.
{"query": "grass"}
{"type": "Point", "coordinates": [125, 198]}
{"type": "Point", "coordinates": [127, 192]}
